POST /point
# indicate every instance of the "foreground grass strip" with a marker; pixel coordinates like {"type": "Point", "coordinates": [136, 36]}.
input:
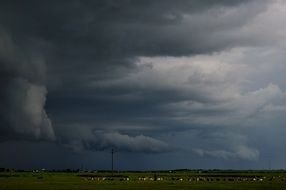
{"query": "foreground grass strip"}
{"type": "Point", "coordinates": [141, 181]}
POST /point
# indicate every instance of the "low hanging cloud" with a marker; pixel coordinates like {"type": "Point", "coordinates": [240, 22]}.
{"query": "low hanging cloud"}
{"type": "Point", "coordinates": [25, 113]}
{"type": "Point", "coordinates": [239, 152]}
{"type": "Point", "coordinates": [100, 140]}
{"type": "Point", "coordinates": [138, 143]}
{"type": "Point", "coordinates": [23, 94]}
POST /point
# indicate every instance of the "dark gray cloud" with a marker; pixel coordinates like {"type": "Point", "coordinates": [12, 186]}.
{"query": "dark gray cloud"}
{"type": "Point", "coordinates": [127, 74]}
{"type": "Point", "coordinates": [23, 93]}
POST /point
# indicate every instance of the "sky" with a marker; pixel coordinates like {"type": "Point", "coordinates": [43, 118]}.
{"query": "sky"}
{"type": "Point", "coordinates": [166, 84]}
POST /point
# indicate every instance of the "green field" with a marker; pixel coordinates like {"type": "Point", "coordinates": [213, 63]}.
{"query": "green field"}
{"type": "Point", "coordinates": [139, 180]}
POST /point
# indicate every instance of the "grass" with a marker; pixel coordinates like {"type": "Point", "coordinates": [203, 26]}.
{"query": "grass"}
{"type": "Point", "coordinates": [86, 181]}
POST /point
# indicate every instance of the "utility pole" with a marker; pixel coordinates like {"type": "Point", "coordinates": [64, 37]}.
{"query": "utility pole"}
{"type": "Point", "coordinates": [269, 164]}
{"type": "Point", "coordinates": [112, 152]}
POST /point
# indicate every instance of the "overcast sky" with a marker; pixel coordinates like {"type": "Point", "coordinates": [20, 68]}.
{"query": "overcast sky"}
{"type": "Point", "coordinates": [167, 84]}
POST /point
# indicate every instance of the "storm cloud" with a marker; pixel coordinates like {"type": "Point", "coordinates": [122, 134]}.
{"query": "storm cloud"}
{"type": "Point", "coordinates": [23, 93]}
{"type": "Point", "coordinates": [204, 77]}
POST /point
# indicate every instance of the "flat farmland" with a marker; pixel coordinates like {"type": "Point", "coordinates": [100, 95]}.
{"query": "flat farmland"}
{"type": "Point", "coordinates": [142, 180]}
